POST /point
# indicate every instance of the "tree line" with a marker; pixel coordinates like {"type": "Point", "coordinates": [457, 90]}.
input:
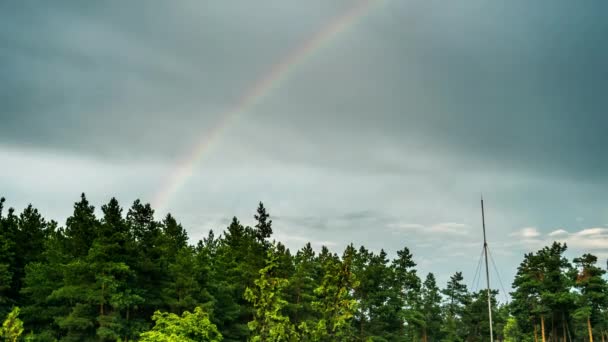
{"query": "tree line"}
{"type": "Point", "coordinates": [124, 276]}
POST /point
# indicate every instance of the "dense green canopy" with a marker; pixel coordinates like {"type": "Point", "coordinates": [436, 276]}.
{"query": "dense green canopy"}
{"type": "Point", "coordinates": [128, 277]}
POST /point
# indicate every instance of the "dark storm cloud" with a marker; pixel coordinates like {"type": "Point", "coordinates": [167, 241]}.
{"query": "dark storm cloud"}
{"type": "Point", "coordinates": [383, 137]}
{"type": "Point", "coordinates": [515, 85]}
{"type": "Point", "coordinates": [153, 78]}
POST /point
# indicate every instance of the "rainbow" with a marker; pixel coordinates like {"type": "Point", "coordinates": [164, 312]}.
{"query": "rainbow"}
{"type": "Point", "coordinates": [255, 94]}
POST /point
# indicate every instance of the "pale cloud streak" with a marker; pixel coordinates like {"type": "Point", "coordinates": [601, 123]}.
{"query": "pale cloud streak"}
{"type": "Point", "coordinates": [527, 233]}
{"type": "Point", "coordinates": [451, 228]}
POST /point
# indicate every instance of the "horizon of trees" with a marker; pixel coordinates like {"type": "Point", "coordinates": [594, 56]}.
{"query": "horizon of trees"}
{"type": "Point", "coordinates": [125, 276]}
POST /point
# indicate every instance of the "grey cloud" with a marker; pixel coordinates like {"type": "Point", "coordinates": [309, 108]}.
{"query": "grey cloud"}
{"type": "Point", "coordinates": [514, 88]}
{"type": "Point", "coordinates": [403, 118]}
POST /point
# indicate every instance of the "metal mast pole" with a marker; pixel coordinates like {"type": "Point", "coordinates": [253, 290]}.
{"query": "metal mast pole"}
{"type": "Point", "coordinates": [485, 250]}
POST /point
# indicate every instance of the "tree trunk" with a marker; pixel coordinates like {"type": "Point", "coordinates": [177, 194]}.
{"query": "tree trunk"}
{"type": "Point", "coordinates": [553, 329]}
{"type": "Point", "coordinates": [542, 328]}
{"type": "Point", "coordinates": [564, 326]}
{"type": "Point", "coordinates": [295, 317]}
{"type": "Point", "coordinates": [424, 337]}
{"type": "Point", "coordinates": [535, 333]}
{"type": "Point", "coordinates": [103, 288]}
{"type": "Point", "coordinates": [361, 326]}
{"type": "Point", "coordinates": [590, 330]}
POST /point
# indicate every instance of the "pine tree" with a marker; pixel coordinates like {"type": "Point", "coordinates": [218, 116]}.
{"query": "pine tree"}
{"type": "Point", "coordinates": [511, 331]}
{"type": "Point", "coordinates": [593, 299]}
{"type": "Point", "coordinates": [335, 306]}
{"type": "Point", "coordinates": [8, 237]}
{"type": "Point", "coordinates": [407, 292]}
{"type": "Point", "coordinates": [190, 327]}
{"type": "Point", "coordinates": [182, 291]}
{"type": "Point", "coordinates": [431, 309]}
{"type": "Point", "coordinates": [263, 225]}
{"type": "Point", "coordinates": [235, 269]}
{"type": "Point", "coordinates": [145, 254]}
{"type": "Point", "coordinates": [542, 293]}
{"type": "Point", "coordinates": [457, 297]}
{"type": "Point", "coordinates": [81, 228]}
{"type": "Point", "coordinates": [12, 327]}
{"type": "Point", "coordinates": [269, 321]}
{"type": "Point", "coordinates": [41, 279]}
{"type": "Point", "coordinates": [475, 318]}
{"type": "Point", "coordinates": [31, 237]}
{"type": "Point", "coordinates": [301, 285]}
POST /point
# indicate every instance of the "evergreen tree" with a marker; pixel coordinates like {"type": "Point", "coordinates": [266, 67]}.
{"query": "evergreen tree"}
{"type": "Point", "coordinates": [81, 228]}
{"type": "Point", "coordinates": [511, 331]}
{"type": "Point", "coordinates": [269, 322]}
{"type": "Point", "coordinates": [475, 318]}
{"type": "Point", "coordinates": [542, 291]}
{"type": "Point", "coordinates": [236, 269]}
{"type": "Point", "coordinates": [8, 239]}
{"type": "Point", "coordinates": [335, 306]}
{"type": "Point", "coordinates": [190, 327]}
{"type": "Point", "coordinates": [10, 260]}
{"type": "Point", "coordinates": [457, 298]}
{"type": "Point", "coordinates": [593, 299]}
{"type": "Point", "coordinates": [431, 309]}
{"type": "Point", "coordinates": [12, 327]}
{"type": "Point", "coordinates": [182, 291]}
{"type": "Point", "coordinates": [41, 279]}
{"type": "Point", "coordinates": [301, 286]}
{"type": "Point", "coordinates": [145, 252]}
{"type": "Point", "coordinates": [110, 279]}
{"type": "Point", "coordinates": [264, 224]}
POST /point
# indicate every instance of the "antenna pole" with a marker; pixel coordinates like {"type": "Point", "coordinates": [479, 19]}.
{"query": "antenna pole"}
{"type": "Point", "coordinates": [485, 250]}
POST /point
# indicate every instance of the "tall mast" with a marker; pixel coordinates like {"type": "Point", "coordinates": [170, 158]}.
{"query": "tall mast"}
{"type": "Point", "coordinates": [485, 250]}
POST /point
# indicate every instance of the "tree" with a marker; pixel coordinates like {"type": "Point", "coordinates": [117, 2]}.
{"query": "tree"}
{"type": "Point", "coordinates": [431, 309]}
{"type": "Point", "coordinates": [335, 306]}
{"type": "Point", "coordinates": [182, 291]}
{"type": "Point", "coordinates": [235, 268]}
{"type": "Point", "coordinates": [301, 285]}
{"type": "Point", "coordinates": [190, 327]}
{"type": "Point", "coordinates": [9, 267]}
{"type": "Point", "coordinates": [81, 228]}
{"type": "Point", "coordinates": [115, 277]}
{"type": "Point", "coordinates": [542, 293]}
{"type": "Point", "coordinates": [475, 320]}
{"type": "Point", "coordinates": [377, 317]}
{"type": "Point", "coordinates": [269, 322]}
{"type": "Point", "coordinates": [511, 331]}
{"type": "Point", "coordinates": [30, 242]}
{"type": "Point", "coordinates": [12, 327]}
{"type": "Point", "coordinates": [593, 297]}
{"type": "Point", "coordinates": [263, 225]}
{"type": "Point", "coordinates": [527, 305]}
{"type": "Point", "coordinates": [457, 297]}
{"type": "Point", "coordinates": [405, 296]}
{"type": "Point", "coordinates": [41, 279]}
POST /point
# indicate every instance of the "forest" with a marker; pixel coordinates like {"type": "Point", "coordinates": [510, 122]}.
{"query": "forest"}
{"type": "Point", "coordinates": [122, 275]}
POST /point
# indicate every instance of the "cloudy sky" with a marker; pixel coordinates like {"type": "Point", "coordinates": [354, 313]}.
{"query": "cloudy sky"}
{"type": "Point", "coordinates": [384, 134]}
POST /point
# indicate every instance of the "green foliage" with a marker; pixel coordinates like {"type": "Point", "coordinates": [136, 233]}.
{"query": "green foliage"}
{"type": "Point", "coordinates": [12, 327]}
{"type": "Point", "coordinates": [190, 327]}
{"type": "Point", "coordinates": [431, 308]}
{"type": "Point", "coordinates": [457, 298]}
{"type": "Point", "coordinates": [334, 303]}
{"type": "Point", "coordinates": [511, 331]}
{"type": "Point", "coordinates": [264, 224]}
{"type": "Point", "coordinates": [592, 304]}
{"type": "Point", "coordinates": [131, 277]}
{"type": "Point", "coordinates": [269, 323]}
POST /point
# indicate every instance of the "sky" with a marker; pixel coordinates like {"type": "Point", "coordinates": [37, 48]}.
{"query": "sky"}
{"type": "Point", "coordinates": [385, 133]}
